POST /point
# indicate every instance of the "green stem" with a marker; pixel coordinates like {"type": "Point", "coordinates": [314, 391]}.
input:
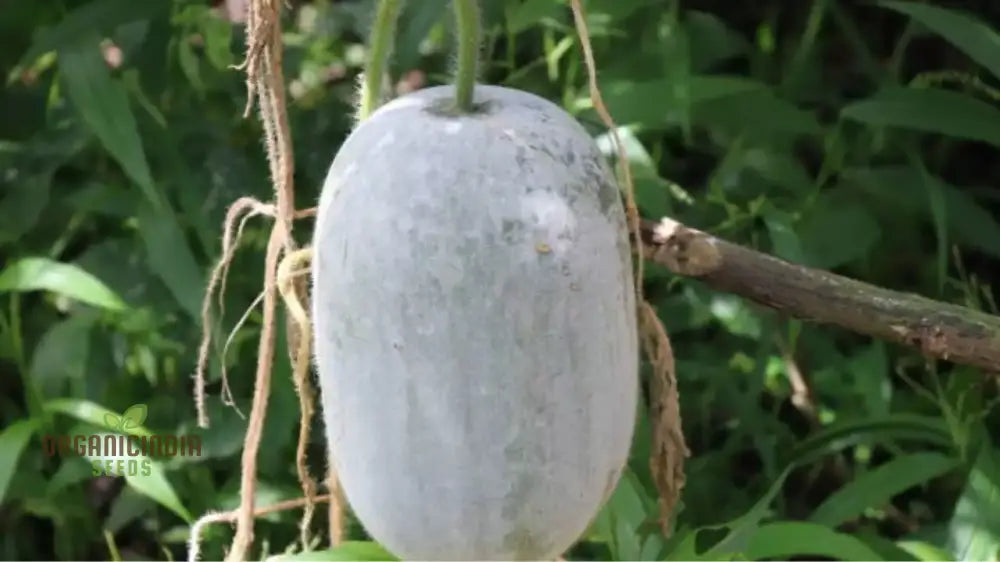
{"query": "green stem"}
{"type": "Point", "coordinates": [380, 45]}
{"type": "Point", "coordinates": [467, 23]}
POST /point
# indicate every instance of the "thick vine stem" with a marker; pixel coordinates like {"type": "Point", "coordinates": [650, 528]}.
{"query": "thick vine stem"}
{"type": "Point", "coordinates": [467, 25]}
{"type": "Point", "coordinates": [380, 46]}
{"type": "Point", "coordinates": [939, 330]}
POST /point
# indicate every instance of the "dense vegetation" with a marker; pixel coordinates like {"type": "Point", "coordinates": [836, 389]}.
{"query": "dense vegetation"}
{"type": "Point", "coordinates": [861, 138]}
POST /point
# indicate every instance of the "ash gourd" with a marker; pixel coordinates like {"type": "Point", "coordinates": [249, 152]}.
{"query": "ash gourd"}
{"type": "Point", "coordinates": [475, 326]}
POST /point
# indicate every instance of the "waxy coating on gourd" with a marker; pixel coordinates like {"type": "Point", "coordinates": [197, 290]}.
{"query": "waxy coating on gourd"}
{"type": "Point", "coordinates": [475, 326]}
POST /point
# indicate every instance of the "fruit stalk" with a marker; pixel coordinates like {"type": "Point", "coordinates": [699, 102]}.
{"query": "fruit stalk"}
{"type": "Point", "coordinates": [467, 25]}
{"type": "Point", "coordinates": [380, 45]}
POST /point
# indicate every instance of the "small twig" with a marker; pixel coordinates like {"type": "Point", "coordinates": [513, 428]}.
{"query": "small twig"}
{"type": "Point", "coordinates": [940, 330]}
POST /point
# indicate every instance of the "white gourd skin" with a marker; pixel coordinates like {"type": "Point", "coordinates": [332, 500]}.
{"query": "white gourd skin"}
{"type": "Point", "coordinates": [475, 327]}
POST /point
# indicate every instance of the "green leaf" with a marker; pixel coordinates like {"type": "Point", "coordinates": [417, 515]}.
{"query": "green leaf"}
{"type": "Point", "coordinates": [621, 518]}
{"type": "Point", "coordinates": [61, 355]}
{"type": "Point", "coordinates": [879, 429]}
{"type": "Point", "coordinates": [348, 550]}
{"type": "Point", "coordinates": [788, 539]}
{"type": "Point", "coordinates": [970, 222]}
{"type": "Point", "coordinates": [974, 529]}
{"type": "Point", "coordinates": [103, 105]}
{"type": "Point", "coordinates": [834, 235]}
{"type": "Point", "coordinates": [930, 110]}
{"type": "Point", "coordinates": [757, 114]}
{"type": "Point", "coordinates": [732, 539]}
{"type": "Point", "coordinates": [877, 487]}
{"type": "Point", "coordinates": [528, 14]}
{"type": "Point", "coordinates": [13, 440]}
{"type": "Point", "coordinates": [967, 33]}
{"type": "Point", "coordinates": [712, 40]}
{"type": "Point", "coordinates": [870, 369]}
{"type": "Point", "coordinates": [415, 23]}
{"type": "Point", "coordinates": [43, 274]}
{"type": "Point", "coordinates": [784, 239]}
{"type": "Point", "coordinates": [925, 552]}
{"type": "Point", "coordinates": [142, 473]}
{"type": "Point", "coordinates": [156, 487]}
{"type": "Point", "coordinates": [89, 412]}
{"type": "Point", "coordinates": [96, 17]}
{"type": "Point", "coordinates": [171, 258]}
{"type": "Point", "coordinates": [661, 102]}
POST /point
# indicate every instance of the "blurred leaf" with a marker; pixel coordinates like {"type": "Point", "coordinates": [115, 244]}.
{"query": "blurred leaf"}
{"type": "Point", "coordinates": [870, 369]}
{"type": "Point", "coordinates": [88, 19]}
{"type": "Point", "coordinates": [736, 315]}
{"type": "Point", "coordinates": [795, 539]}
{"type": "Point", "coordinates": [876, 429]}
{"type": "Point", "coordinates": [129, 506]}
{"type": "Point", "coordinates": [879, 485]}
{"type": "Point", "coordinates": [26, 183]}
{"type": "Point", "coordinates": [899, 188]}
{"type": "Point", "coordinates": [153, 485]}
{"type": "Point", "coordinates": [613, 10]}
{"type": "Point", "coordinates": [415, 23]}
{"type": "Point", "coordinates": [712, 41]}
{"type": "Point", "coordinates": [13, 439]}
{"type": "Point", "coordinates": [528, 13]}
{"type": "Point", "coordinates": [756, 114]}
{"type": "Point", "coordinates": [71, 471]}
{"type": "Point", "coordinates": [43, 274]}
{"type": "Point", "coordinates": [776, 168]}
{"type": "Point", "coordinates": [62, 354]}
{"type": "Point", "coordinates": [929, 110]}
{"type": "Point", "coordinates": [969, 34]}
{"type": "Point", "coordinates": [171, 258]}
{"type": "Point", "coordinates": [661, 102]}
{"type": "Point", "coordinates": [348, 550]}
{"type": "Point", "coordinates": [784, 240]}
{"type": "Point", "coordinates": [156, 486]}
{"type": "Point", "coordinates": [925, 552]}
{"type": "Point", "coordinates": [834, 235]}
{"type": "Point", "coordinates": [970, 223]}
{"type": "Point", "coordinates": [89, 412]}
{"type": "Point", "coordinates": [974, 529]}
{"type": "Point", "coordinates": [653, 194]}
{"type": "Point", "coordinates": [103, 104]}
{"type": "Point", "coordinates": [733, 538]}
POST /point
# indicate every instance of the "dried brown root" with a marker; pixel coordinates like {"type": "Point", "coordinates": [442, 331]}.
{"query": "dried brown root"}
{"type": "Point", "coordinates": [194, 541]}
{"type": "Point", "coordinates": [669, 448]}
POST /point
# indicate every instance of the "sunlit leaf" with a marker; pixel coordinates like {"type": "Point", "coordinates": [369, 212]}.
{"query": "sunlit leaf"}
{"type": "Point", "coordinates": [89, 412]}
{"type": "Point", "coordinates": [974, 528]}
{"type": "Point", "coordinates": [43, 274]}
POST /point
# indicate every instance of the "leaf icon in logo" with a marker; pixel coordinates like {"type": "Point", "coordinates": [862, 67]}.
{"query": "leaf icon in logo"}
{"type": "Point", "coordinates": [113, 421]}
{"type": "Point", "coordinates": [131, 419]}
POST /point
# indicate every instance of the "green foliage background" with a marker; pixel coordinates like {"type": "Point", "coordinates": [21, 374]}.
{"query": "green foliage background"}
{"type": "Point", "coordinates": [861, 138]}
